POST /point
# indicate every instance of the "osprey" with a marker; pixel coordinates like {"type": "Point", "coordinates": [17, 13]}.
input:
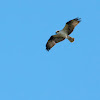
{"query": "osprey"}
{"type": "Point", "coordinates": [63, 34]}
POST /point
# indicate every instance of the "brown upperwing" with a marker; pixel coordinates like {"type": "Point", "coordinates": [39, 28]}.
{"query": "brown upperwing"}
{"type": "Point", "coordinates": [53, 40]}
{"type": "Point", "coordinates": [69, 27]}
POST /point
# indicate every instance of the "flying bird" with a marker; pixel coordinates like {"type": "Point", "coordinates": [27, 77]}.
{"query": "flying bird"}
{"type": "Point", "coordinates": [63, 34]}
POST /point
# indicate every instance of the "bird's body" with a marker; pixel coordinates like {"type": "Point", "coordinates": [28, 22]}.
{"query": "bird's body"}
{"type": "Point", "coordinates": [63, 34]}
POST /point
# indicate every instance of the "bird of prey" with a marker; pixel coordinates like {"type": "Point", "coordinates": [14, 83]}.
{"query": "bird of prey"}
{"type": "Point", "coordinates": [63, 34]}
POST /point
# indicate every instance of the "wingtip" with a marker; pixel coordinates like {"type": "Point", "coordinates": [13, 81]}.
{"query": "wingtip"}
{"type": "Point", "coordinates": [47, 48]}
{"type": "Point", "coordinates": [78, 19]}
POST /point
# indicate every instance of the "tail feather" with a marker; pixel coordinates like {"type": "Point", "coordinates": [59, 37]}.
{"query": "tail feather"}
{"type": "Point", "coordinates": [71, 39]}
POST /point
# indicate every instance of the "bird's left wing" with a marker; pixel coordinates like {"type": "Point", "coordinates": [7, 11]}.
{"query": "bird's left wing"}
{"type": "Point", "coordinates": [70, 25]}
{"type": "Point", "coordinates": [53, 40]}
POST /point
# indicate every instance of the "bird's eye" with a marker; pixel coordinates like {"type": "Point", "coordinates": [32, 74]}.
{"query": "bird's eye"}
{"type": "Point", "coordinates": [57, 31]}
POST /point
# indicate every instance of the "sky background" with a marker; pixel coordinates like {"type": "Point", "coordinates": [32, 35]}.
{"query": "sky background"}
{"type": "Point", "coordinates": [69, 71]}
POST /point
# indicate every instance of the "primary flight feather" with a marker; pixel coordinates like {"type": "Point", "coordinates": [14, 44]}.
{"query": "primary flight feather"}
{"type": "Point", "coordinates": [63, 34]}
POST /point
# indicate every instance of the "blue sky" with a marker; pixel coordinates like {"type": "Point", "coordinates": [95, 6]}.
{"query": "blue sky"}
{"type": "Point", "coordinates": [69, 71]}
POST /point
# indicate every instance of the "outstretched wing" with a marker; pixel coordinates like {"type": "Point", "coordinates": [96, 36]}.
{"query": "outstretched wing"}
{"type": "Point", "coordinates": [53, 40]}
{"type": "Point", "coordinates": [69, 27]}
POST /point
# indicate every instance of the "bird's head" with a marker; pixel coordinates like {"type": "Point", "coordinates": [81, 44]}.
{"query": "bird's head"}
{"type": "Point", "coordinates": [57, 31]}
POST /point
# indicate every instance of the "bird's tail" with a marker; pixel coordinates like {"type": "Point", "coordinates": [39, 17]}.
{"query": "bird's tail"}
{"type": "Point", "coordinates": [71, 39]}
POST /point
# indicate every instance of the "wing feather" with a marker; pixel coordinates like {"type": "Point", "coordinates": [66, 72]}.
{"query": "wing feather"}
{"type": "Point", "coordinates": [53, 40]}
{"type": "Point", "coordinates": [70, 25]}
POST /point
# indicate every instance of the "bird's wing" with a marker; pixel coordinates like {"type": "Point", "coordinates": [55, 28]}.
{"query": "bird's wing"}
{"type": "Point", "coordinates": [53, 40]}
{"type": "Point", "coordinates": [69, 27]}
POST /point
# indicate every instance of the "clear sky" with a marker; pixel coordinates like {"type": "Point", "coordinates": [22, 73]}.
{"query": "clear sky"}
{"type": "Point", "coordinates": [69, 71]}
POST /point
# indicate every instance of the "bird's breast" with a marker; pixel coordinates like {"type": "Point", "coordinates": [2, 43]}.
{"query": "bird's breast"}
{"type": "Point", "coordinates": [62, 34]}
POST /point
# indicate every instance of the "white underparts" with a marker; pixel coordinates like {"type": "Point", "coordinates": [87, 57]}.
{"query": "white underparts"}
{"type": "Point", "coordinates": [62, 34]}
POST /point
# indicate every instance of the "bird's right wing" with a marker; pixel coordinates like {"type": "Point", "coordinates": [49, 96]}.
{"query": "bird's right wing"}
{"type": "Point", "coordinates": [53, 40]}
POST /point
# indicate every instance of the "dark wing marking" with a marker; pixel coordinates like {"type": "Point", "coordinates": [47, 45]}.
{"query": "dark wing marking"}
{"type": "Point", "coordinates": [53, 40]}
{"type": "Point", "coordinates": [69, 27]}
